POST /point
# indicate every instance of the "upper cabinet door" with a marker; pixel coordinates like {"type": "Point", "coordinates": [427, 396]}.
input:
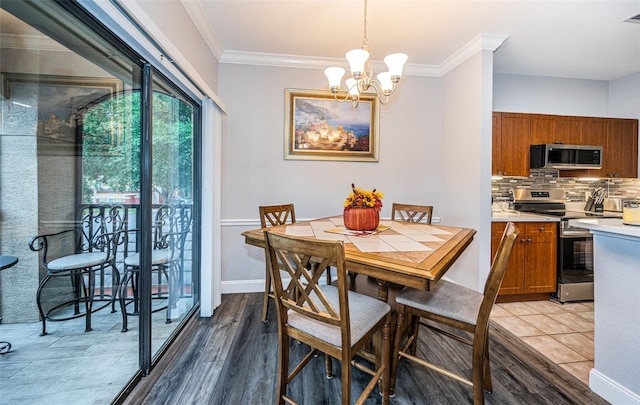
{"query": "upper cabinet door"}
{"type": "Point", "coordinates": [556, 129]}
{"type": "Point", "coordinates": [515, 142]}
{"type": "Point", "coordinates": [542, 129]}
{"type": "Point", "coordinates": [568, 130]}
{"type": "Point", "coordinates": [621, 150]}
{"type": "Point", "coordinates": [496, 145]}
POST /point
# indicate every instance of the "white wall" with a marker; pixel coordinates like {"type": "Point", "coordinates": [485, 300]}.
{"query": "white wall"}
{"type": "Point", "coordinates": [466, 162]}
{"type": "Point", "coordinates": [255, 173]}
{"type": "Point", "coordinates": [548, 95]}
{"type": "Point", "coordinates": [624, 97]}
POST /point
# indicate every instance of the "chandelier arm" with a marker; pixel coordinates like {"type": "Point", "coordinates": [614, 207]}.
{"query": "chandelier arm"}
{"type": "Point", "coordinates": [383, 98]}
{"type": "Point", "coordinates": [368, 70]}
{"type": "Point", "coordinates": [340, 100]}
{"type": "Point", "coordinates": [378, 87]}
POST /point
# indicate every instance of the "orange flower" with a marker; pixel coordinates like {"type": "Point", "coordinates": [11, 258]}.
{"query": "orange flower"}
{"type": "Point", "coordinates": [363, 198]}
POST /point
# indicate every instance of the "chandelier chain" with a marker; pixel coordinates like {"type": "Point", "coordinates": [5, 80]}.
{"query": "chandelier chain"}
{"type": "Point", "coordinates": [365, 41]}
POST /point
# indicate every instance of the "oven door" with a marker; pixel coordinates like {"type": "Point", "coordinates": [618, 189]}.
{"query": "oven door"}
{"type": "Point", "coordinates": [575, 257]}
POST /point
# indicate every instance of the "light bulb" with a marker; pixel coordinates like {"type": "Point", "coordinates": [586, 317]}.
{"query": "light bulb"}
{"type": "Point", "coordinates": [395, 63]}
{"type": "Point", "coordinates": [357, 58]}
{"type": "Point", "coordinates": [334, 74]}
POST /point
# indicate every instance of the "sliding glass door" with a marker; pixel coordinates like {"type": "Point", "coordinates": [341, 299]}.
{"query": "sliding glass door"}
{"type": "Point", "coordinates": [88, 128]}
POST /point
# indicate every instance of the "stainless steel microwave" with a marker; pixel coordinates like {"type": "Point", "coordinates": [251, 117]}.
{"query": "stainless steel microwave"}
{"type": "Point", "coordinates": [568, 157]}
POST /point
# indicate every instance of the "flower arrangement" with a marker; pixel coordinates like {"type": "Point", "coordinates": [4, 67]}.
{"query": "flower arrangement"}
{"type": "Point", "coordinates": [360, 198]}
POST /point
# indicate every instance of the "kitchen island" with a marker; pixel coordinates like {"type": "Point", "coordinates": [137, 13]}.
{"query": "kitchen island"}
{"type": "Point", "coordinates": [616, 252]}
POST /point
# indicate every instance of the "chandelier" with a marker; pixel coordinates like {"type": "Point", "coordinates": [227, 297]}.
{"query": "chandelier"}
{"type": "Point", "coordinates": [362, 72]}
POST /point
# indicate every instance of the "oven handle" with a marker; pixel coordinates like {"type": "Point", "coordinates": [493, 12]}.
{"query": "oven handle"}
{"type": "Point", "coordinates": [575, 234]}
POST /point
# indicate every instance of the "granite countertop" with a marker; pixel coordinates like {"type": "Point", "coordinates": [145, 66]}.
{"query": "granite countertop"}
{"type": "Point", "coordinates": [610, 225]}
{"type": "Point", "coordinates": [517, 216]}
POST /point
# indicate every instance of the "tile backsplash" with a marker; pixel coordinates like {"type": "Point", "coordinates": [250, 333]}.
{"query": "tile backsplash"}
{"type": "Point", "coordinates": [575, 189]}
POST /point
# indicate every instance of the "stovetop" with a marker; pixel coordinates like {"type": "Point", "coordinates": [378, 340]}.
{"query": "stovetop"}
{"type": "Point", "coordinates": [552, 202]}
{"type": "Point", "coordinates": [589, 214]}
{"type": "Point", "coordinates": [567, 214]}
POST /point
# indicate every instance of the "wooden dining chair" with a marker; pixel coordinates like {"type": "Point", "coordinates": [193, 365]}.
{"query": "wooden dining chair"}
{"type": "Point", "coordinates": [329, 319]}
{"type": "Point", "coordinates": [273, 215]}
{"type": "Point", "coordinates": [455, 307]}
{"type": "Point", "coordinates": [411, 213]}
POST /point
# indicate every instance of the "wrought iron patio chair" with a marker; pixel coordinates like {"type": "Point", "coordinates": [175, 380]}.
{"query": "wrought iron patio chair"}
{"type": "Point", "coordinates": [171, 227]}
{"type": "Point", "coordinates": [87, 250]}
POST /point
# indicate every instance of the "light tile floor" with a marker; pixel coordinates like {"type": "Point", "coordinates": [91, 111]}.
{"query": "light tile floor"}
{"type": "Point", "coordinates": [561, 332]}
{"type": "Point", "coordinates": [71, 366]}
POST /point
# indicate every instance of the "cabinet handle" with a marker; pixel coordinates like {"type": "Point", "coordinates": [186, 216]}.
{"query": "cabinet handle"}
{"type": "Point", "coordinates": [542, 228]}
{"type": "Point", "coordinates": [522, 240]}
{"type": "Point", "coordinates": [529, 240]}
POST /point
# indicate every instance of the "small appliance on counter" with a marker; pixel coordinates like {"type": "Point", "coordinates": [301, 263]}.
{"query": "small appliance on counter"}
{"type": "Point", "coordinates": [613, 204]}
{"type": "Point", "coordinates": [631, 212]}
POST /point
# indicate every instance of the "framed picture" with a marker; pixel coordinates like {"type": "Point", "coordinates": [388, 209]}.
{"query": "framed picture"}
{"type": "Point", "coordinates": [60, 102]}
{"type": "Point", "coordinates": [318, 127]}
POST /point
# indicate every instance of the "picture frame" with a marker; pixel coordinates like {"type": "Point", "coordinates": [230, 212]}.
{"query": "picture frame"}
{"type": "Point", "coordinates": [317, 127]}
{"type": "Point", "coordinates": [60, 102]}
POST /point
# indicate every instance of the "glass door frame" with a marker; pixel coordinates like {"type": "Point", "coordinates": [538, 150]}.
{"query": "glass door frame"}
{"type": "Point", "coordinates": [146, 358]}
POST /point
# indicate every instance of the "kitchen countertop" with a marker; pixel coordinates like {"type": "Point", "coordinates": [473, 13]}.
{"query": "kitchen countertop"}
{"type": "Point", "coordinates": [610, 225]}
{"type": "Point", "coordinates": [517, 216]}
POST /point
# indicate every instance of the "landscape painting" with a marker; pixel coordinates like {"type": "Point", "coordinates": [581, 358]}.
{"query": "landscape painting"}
{"type": "Point", "coordinates": [320, 128]}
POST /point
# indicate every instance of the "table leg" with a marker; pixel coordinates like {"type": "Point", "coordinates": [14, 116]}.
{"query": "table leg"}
{"type": "Point", "coordinates": [383, 290]}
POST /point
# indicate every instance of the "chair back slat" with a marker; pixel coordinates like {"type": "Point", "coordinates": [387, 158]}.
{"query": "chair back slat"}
{"type": "Point", "coordinates": [275, 215]}
{"type": "Point", "coordinates": [498, 270]}
{"type": "Point", "coordinates": [289, 258]}
{"type": "Point", "coordinates": [411, 213]}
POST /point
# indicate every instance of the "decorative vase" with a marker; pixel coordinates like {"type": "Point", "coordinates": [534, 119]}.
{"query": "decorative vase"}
{"type": "Point", "coordinates": [361, 219]}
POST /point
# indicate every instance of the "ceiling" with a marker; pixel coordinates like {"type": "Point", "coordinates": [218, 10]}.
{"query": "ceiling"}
{"type": "Point", "coordinates": [584, 39]}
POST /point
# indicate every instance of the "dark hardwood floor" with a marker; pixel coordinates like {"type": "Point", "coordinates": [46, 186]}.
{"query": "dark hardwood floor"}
{"type": "Point", "coordinates": [230, 358]}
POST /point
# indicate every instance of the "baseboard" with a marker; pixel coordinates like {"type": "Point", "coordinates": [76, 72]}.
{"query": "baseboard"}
{"type": "Point", "coordinates": [250, 286]}
{"type": "Point", "coordinates": [242, 286]}
{"type": "Point", "coordinates": [611, 390]}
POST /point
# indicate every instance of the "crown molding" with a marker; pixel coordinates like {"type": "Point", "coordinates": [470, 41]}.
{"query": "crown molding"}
{"type": "Point", "coordinates": [199, 18]}
{"type": "Point", "coordinates": [313, 62]}
{"type": "Point", "coordinates": [481, 42]}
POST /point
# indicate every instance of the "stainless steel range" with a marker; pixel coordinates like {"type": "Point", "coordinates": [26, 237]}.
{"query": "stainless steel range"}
{"type": "Point", "coordinates": [575, 245]}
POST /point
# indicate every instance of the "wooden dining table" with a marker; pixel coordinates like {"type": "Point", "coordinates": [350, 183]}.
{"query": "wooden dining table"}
{"type": "Point", "coordinates": [403, 253]}
{"type": "Point", "coordinates": [408, 254]}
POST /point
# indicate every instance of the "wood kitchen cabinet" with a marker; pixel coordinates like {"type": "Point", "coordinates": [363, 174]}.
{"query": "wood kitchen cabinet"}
{"type": "Point", "coordinates": [621, 149]}
{"type": "Point", "coordinates": [531, 273]}
{"type": "Point", "coordinates": [513, 133]}
{"type": "Point", "coordinates": [594, 132]}
{"type": "Point", "coordinates": [619, 139]}
{"type": "Point", "coordinates": [511, 141]}
{"type": "Point", "coordinates": [556, 129]}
